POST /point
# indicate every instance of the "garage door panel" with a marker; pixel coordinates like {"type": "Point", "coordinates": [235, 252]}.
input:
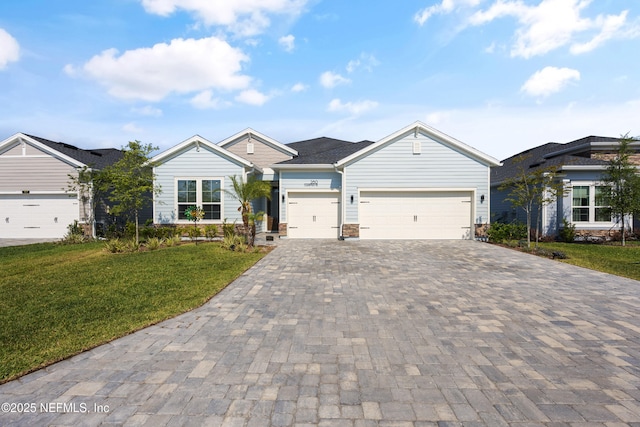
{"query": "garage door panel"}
{"type": "Point", "coordinates": [37, 216]}
{"type": "Point", "coordinates": [415, 215]}
{"type": "Point", "coordinates": [313, 215]}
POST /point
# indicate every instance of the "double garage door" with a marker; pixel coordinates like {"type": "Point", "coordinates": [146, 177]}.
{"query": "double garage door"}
{"type": "Point", "coordinates": [25, 216]}
{"type": "Point", "coordinates": [415, 215]}
{"type": "Point", "coordinates": [384, 215]}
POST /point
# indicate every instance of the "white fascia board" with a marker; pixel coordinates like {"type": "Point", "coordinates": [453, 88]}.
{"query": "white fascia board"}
{"type": "Point", "coordinates": [318, 166]}
{"type": "Point", "coordinates": [21, 137]}
{"type": "Point", "coordinates": [262, 137]}
{"type": "Point", "coordinates": [198, 140]}
{"type": "Point", "coordinates": [432, 133]}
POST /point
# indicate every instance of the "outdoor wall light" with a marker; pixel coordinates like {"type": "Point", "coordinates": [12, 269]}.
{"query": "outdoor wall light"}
{"type": "Point", "coordinates": [352, 198]}
{"type": "Point", "coordinates": [283, 198]}
{"type": "Point", "coordinates": [482, 199]}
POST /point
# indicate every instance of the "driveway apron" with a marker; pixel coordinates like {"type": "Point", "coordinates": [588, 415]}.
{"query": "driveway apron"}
{"type": "Point", "coordinates": [367, 333]}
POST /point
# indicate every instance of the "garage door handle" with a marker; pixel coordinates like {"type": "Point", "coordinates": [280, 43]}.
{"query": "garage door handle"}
{"type": "Point", "coordinates": [415, 218]}
{"type": "Point", "coordinates": [314, 218]}
{"type": "Point", "coordinates": [365, 228]}
{"type": "Point", "coordinates": [364, 201]}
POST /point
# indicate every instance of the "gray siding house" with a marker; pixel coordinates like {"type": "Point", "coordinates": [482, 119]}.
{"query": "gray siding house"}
{"type": "Point", "coordinates": [580, 164]}
{"type": "Point", "coordinates": [416, 183]}
{"type": "Point", "coordinates": [34, 178]}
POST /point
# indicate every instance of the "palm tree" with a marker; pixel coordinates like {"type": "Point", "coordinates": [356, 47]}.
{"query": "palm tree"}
{"type": "Point", "coordinates": [245, 193]}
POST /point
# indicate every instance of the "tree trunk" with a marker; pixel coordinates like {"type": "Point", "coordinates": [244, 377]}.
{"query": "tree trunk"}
{"type": "Point", "coordinates": [137, 234]}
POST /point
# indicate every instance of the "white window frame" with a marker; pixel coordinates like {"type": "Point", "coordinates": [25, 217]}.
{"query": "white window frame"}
{"type": "Point", "coordinates": [198, 180]}
{"type": "Point", "coordinates": [592, 205]}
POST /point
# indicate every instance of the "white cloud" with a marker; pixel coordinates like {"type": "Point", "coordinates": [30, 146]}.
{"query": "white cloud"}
{"type": "Point", "coordinates": [336, 105]}
{"type": "Point", "coordinates": [132, 128]}
{"type": "Point", "coordinates": [9, 49]}
{"type": "Point", "coordinates": [365, 61]}
{"type": "Point", "coordinates": [205, 100]}
{"type": "Point", "coordinates": [445, 6]}
{"type": "Point", "coordinates": [549, 80]}
{"type": "Point", "coordinates": [242, 17]}
{"type": "Point", "coordinates": [183, 66]}
{"type": "Point", "coordinates": [329, 79]}
{"type": "Point", "coordinates": [148, 110]}
{"type": "Point", "coordinates": [299, 87]}
{"type": "Point", "coordinates": [252, 97]}
{"type": "Point", "coordinates": [287, 42]}
{"type": "Point", "coordinates": [552, 24]}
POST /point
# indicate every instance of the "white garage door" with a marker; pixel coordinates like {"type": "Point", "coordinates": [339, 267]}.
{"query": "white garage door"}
{"type": "Point", "coordinates": [415, 215]}
{"type": "Point", "coordinates": [37, 216]}
{"type": "Point", "coordinates": [313, 215]}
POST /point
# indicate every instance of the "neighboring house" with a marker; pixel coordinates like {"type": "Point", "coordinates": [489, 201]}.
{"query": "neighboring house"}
{"type": "Point", "coordinates": [34, 180]}
{"type": "Point", "coordinates": [417, 183]}
{"type": "Point", "coordinates": [581, 164]}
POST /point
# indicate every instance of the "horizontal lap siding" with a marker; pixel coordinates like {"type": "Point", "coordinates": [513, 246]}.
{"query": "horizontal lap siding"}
{"type": "Point", "coordinates": [300, 181]}
{"type": "Point", "coordinates": [263, 155]}
{"type": "Point", "coordinates": [438, 166]}
{"type": "Point", "coordinates": [194, 164]}
{"type": "Point", "coordinates": [19, 173]}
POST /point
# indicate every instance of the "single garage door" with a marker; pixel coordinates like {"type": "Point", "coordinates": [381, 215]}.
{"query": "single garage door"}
{"type": "Point", "coordinates": [37, 216]}
{"type": "Point", "coordinates": [313, 215]}
{"type": "Point", "coordinates": [415, 215]}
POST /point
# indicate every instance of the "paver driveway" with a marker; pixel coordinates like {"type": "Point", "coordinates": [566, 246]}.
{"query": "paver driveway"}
{"type": "Point", "coordinates": [364, 334]}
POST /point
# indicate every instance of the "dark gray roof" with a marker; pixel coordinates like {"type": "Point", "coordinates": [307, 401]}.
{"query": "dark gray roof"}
{"type": "Point", "coordinates": [552, 154]}
{"type": "Point", "coordinates": [323, 151]}
{"type": "Point", "coordinates": [98, 158]}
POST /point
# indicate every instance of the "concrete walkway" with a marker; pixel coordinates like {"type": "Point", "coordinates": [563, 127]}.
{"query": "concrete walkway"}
{"type": "Point", "coordinates": [368, 334]}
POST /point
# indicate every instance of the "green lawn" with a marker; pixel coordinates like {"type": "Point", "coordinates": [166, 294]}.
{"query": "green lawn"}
{"type": "Point", "coordinates": [60, 300]}
{"type": "Point", "coordinates": [614, 259]}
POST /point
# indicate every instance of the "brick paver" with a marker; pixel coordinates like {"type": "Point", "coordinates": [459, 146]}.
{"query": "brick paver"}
{"type": "Point", "coordinates": [380, 333]}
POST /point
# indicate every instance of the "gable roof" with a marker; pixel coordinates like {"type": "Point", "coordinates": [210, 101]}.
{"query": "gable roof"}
{"type": "Point", "coordinates": [198, 141]}
{"type": "Point", "coordinates": [77, 157]}
{"type": "Point", "coordinates": [322, 151]}
{"type": "Point", "coordinates": [570, 155]}
{"type": "Point", "coordinates": [250, 133]}
{"type": "Point", "coordinates": [419, 127]}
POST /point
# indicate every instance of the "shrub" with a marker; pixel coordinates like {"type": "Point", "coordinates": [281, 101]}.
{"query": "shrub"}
{"type": "Point", "coordinates": [194, 232]}
{"type": "Point", "coordinates": [154, 243]}
{"type": "Point", "coordinates": [211, 231]}
{"type": "Point", "coordinates": [234, 243]}
{"type": "Point", "coordinates": [567, 232]}
{"type": "Point", "coordinates": [131, 246]}
{"type": "Point", "coordinates": [228, 229]}
{"type": "Point", "coordinates": [500, 232]}
{"type": "Point", "coordinates": [75, 234]}
{"type": "Point", "coordinates": [173, 240]}
{"type": "Point", "coordinates": [115, 246]}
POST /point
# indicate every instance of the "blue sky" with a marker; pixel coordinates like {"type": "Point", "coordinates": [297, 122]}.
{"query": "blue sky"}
{"type": "Point", "coordinates": [499, 75]}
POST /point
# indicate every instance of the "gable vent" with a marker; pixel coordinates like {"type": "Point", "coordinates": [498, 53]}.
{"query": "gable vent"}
{"type": "Point", "coordinates": [250, 148]}
{"type": "Point", "coordinates": [417, 147]}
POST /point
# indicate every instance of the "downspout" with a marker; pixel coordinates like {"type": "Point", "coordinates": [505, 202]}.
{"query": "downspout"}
{"type": "Point", "coordinates": [342, 200]}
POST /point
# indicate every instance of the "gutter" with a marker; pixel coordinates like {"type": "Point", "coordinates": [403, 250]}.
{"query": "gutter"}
{"type": "Point", "coordinates": [342, 199]}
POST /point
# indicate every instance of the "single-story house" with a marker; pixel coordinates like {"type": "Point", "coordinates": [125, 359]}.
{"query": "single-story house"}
{"type": "Point", "coordinates": [35, 201]}
{"type": "Point", "coordinates": [416, 183]}
{"type": "Point", "coordinates": [580, 164]}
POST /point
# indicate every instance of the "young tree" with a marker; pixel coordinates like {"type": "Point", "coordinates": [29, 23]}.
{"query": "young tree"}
{"type": "Point", "coordinates": [245, 193]}
{"type": "Point", "coordinates": [90, 185]}
{"type": "Point", "coordinates": [131, 182]}
{"type": "Point", "coordinates": [623, 184]}
{"type": "Point", "coordinates": [531, 189]}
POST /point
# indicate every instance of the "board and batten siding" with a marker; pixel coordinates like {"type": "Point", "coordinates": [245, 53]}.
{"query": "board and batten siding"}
{"type": "Point", "coordinates": [438, 166]}
{"type": "Point", "coordinates": [194, 164]}
{"type": "Point", "coordinates": [306, 181]}
{"type": "Point", "coordinates": [263, 155]}
{"type": "Point", "coordinates": [35, 171]}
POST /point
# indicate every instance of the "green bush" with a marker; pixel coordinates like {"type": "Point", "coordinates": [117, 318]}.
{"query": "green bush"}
{"type": "Point", "coordinates": [75, 234]}
{"type": "Point", "coordinates": [160, 232]}
{"type": "Point", "coordinates": [228, 229]}
{"type": "Point", "coordinates": [114, 246]}
{"type": "Point", "coordinates": [501, 232]}
{"type": "Point", "coordinates": [567, 232]}
{"type": "Point", "coordinates": [211, 231]}
{"type": "Point", "coordinates": [154, 243]}
{"type": "Point", "coordinates": [234, 243]}
{"type": "Point", "coordinates": [173, 240]}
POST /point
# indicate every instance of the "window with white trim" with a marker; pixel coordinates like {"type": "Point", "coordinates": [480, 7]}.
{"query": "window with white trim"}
{"type": "Point", "coordinates": [203, 192]}
{"type": "Point", "coordinates": [588, 204]}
